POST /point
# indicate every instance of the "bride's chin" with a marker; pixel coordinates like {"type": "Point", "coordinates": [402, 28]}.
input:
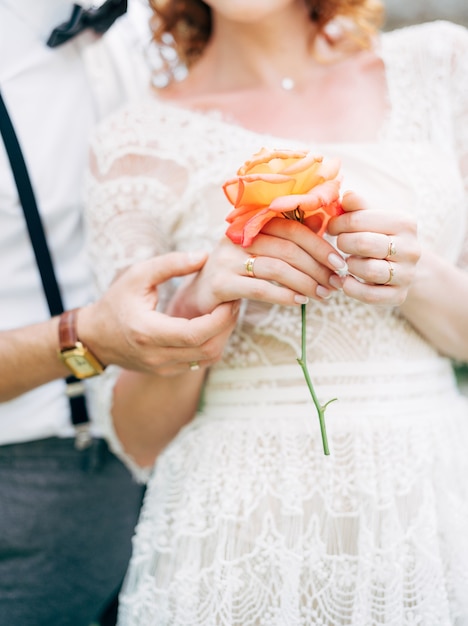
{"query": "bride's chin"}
{"type": "Point", "coordinates": [247, 11]}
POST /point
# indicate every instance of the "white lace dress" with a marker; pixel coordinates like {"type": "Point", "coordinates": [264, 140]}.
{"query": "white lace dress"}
{"type": "Point", "coordinates": [245, 521]}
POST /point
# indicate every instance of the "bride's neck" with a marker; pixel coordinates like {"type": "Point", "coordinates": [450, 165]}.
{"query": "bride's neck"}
{"type": "Point", "coordinates": [244, 56]}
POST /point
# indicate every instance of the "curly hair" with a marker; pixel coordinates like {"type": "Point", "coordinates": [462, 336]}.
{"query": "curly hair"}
{"type": "Point", "coordinates": [188, 22]}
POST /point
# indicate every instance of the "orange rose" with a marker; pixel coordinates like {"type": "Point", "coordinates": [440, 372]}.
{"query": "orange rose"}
{"type": "Point", "coordinates": [282, 183]}
{"type": "Point", "coordinates": [291, 184]}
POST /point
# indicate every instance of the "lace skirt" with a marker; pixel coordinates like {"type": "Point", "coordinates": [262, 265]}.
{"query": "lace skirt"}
{"type": "Point", "coordinates": [247, 523]}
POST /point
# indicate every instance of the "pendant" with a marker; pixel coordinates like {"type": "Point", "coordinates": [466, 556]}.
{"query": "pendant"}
{"type": "Point", "coordinates": [287, 83]}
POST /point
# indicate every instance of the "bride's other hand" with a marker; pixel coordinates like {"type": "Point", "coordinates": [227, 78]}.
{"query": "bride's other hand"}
{"type": "Point", "coordinates": [287, 264]}
{"type": "Point", "coordinates": [383, 251]}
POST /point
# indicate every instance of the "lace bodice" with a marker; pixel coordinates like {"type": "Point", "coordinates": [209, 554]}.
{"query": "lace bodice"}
{"type": "Point", "coordinates": [157, 172]}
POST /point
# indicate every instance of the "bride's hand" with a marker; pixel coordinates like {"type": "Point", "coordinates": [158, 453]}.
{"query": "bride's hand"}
{"type": "Point", "coordinates": [287, 264]}
{"type": "Point", "coordinates": [383, 252]}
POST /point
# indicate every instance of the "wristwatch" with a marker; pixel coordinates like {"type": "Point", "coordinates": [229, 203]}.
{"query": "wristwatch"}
{"type": "Point", "coordinates": [76, 356]}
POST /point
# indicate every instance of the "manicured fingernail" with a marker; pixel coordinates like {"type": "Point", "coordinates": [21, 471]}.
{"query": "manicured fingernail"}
{"type": "Point", "coordinates": [336, 282]}
{"type": "Point", "coordinates": [337, 262]}
{"type": "Point", "coordinates": [323, 292]}
{"type": "Point", "coordinates": [301, 299]}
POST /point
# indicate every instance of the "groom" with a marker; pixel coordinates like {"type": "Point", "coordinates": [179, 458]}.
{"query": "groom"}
{"type": "Point", "coordinates": [67, 514]}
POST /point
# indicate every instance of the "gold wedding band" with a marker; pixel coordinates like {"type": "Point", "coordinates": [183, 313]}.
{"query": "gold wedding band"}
{"type": "Point", "coordinates": [249, 266]}
{"type": "Point", "coordinates": [391, 273]}
{"type": "Point", "coordinates": [391, 248]}
{"type": "Point", "coordinates": [194, 366]}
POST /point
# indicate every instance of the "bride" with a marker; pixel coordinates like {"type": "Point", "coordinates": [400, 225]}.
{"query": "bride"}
{"type": "Point", "coordinates": [246, 522]}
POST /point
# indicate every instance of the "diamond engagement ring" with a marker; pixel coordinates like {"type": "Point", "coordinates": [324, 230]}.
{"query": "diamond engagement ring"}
{"type": "Point", "coordinates": [194, 366]}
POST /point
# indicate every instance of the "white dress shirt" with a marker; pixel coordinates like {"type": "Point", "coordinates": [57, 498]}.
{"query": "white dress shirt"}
{"type": "Point", "coordinates": [55, 97]}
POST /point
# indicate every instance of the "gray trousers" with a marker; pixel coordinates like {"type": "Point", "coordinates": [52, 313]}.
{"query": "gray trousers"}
{"type": "Point", "coordinates": [66, 522]}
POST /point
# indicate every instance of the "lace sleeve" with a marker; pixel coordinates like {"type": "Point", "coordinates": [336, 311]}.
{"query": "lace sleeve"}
{"type": "Point", "coordinates": [460, 109]}
{"type": "Point", "coordinates": [132, 199]}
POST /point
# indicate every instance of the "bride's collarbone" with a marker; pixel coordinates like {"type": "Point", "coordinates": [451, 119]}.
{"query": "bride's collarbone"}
{"type": "Point", "coordinates": [335, 108]}
{"type": "Point", "coordinates": [310, 117]}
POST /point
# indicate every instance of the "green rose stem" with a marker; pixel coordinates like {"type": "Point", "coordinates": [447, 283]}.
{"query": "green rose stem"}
{"type": "Point", "coordinates": [303, 363]}
{"type": "Point", "coordinates": [298, 215]}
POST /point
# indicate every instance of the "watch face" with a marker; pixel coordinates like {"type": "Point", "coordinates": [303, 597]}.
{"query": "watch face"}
{"type": "Point", "coordinates": [80, 365]}
{"type": "Point", "coordinates": [81, 362]}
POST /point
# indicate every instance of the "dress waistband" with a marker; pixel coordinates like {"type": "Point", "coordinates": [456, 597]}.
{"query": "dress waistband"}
{"type": "Point", "coordinates": [387, 386]}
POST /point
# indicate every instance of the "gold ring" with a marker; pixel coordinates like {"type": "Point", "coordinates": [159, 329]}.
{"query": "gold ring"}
{"type": "Point", "coordinates": [249, 266]}
{"type": "Point", "coordinates": [391, 248]}
{"type": "Point", "coordinates": [391, 273]}
{"type": "Point", "coordinates": [194, 366]}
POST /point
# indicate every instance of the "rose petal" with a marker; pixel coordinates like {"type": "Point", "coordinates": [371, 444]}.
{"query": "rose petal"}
{"type": "Point", "coordinates": [299, 165]}
{"type": "Point", "coordinates": [265, 156]}
{"type": "Point", "coordinates": [318, 221]}
{"type": "Point", "coordinates": [235, 231]}
{"type": "Point", "coordinates": [231, 189]}
{"type": "Point", "coordinates": [255, 224]}
{"type": "Point", "coordinates": [324, 171]}
{"type": "Point", "coordinates": [242, 210]}
{"type": "Point", "coordinates": [323, 194]}
{"type": "Point", "coordinates": [244, 229]}
{"type": "Point", "coordinates": [261, 189]}
{"type": "Point", "coordinates": [330, 168]}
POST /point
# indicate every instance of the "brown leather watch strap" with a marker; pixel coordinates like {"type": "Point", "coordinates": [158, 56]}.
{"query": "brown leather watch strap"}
{"type": "Point", "coordinates": [68, 335]}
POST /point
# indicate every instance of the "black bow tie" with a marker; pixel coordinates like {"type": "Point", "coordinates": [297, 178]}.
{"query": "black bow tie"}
{"type": "Point", "coordinates": [99, 19]}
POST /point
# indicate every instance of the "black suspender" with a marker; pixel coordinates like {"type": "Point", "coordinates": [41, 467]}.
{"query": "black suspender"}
{"type": "Point", "coordinates": [75, 387]}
